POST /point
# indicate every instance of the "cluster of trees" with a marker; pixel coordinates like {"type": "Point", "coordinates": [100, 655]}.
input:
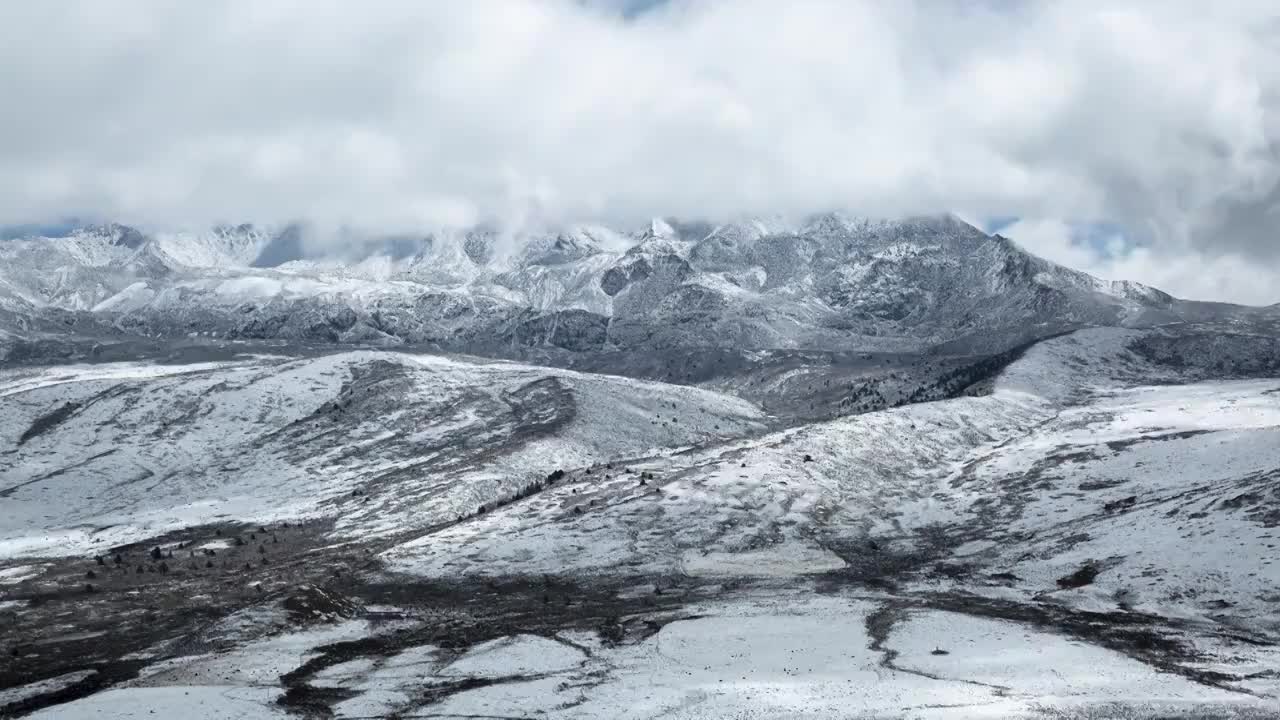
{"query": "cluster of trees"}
{"type": "Point", "coordinates": [954, 382]}
{"type": "Point", "coordinates": [156, 559]}
{"type": "Point", "coordinates": [865, 398]}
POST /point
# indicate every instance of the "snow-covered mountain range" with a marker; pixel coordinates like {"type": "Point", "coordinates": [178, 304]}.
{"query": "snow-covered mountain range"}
{"type": "Point", "coordinates": [832, 283]}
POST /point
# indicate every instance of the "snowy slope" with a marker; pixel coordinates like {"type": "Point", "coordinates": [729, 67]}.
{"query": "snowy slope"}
{"type": "Point", "coordinates": [142, 449]}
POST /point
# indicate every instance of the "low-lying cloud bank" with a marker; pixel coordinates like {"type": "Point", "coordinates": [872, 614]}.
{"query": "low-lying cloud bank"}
{"type": "Point", "coordinates": [1160, 117]}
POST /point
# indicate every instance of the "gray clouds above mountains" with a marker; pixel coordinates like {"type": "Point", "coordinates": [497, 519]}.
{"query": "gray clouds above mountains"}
{"type": "Point", "coordinates": [1157, 115]}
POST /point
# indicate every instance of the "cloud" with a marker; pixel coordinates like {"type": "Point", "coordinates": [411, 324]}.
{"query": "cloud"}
{"type": "Point", "coordinates": [1193, 273]}
{"type": "Point", "coordinates": [1160, 115]}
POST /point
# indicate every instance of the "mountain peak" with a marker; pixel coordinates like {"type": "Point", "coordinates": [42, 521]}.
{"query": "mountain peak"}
{"type": "Point", "coordinates": [659, 227]}
{"type": "Point", "coordinates": [835, 283]}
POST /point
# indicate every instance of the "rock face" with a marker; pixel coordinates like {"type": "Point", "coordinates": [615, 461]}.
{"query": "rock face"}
{"type": "Point", "coordinates": [832, 283]}
{"type": "Point", "coordinates": [311, 604]}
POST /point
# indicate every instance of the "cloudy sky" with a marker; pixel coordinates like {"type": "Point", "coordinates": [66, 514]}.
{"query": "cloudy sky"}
{"type": "Point", "coordinates": [1131, 138]}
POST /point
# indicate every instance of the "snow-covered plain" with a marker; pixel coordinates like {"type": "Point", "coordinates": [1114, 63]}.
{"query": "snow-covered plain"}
{"type": "Point", "coordinates": [783, 655]}
{"type": "Point", "coordinates": [194, 702]}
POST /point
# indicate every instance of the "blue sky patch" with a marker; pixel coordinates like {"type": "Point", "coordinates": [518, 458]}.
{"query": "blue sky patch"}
{"type": "Point", "coordinates": [57, 228]}
{"type": "Point", "coordinates": [1107, 240]}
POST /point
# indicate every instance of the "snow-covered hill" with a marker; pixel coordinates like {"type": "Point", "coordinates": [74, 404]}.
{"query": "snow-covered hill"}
{"type": "Point", "coordinates": [145, 449]}
{"type": "Point", "coordinates": [366, 533]}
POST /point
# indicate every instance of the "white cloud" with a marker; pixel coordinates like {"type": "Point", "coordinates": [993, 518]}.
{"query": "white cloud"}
{"type": "Point", "coordinates": [1191, 273]}
{"type": "Point", "coordinates": [1159, 114]}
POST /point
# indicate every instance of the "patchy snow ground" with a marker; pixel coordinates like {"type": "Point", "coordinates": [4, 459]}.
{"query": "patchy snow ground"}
{"type": "Point", "coordinates": [257, 663]}
{"type": "Point", "coordinates": [1093, 538]}
{"type": "Point", "coordinates": [788, 655]}
{"type": "Point", "coordinates": [53, 684]}
{"type": "Point", "coordinates": [18, 573]}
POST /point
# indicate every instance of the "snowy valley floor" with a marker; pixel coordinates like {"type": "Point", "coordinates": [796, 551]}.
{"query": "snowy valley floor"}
{"type": "Point", "coordinates": [368, 535]}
